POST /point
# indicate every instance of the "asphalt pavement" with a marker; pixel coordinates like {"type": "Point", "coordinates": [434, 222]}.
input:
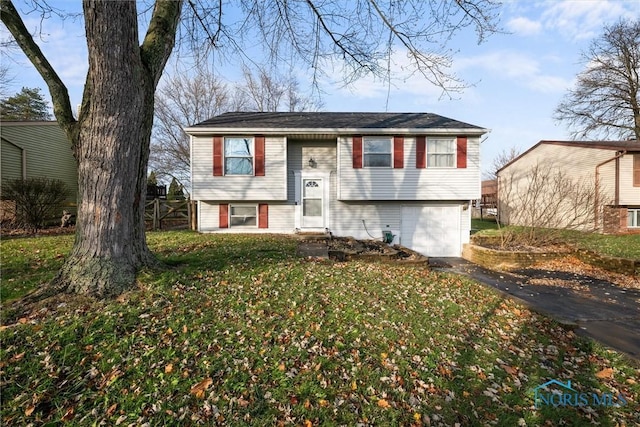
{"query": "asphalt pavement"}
{"type": "Point", "coordinates": [597, 308]}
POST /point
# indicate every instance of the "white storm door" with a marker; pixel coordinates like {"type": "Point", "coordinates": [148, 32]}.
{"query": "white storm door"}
{"type": "Point", "coordinates": [312, 203]}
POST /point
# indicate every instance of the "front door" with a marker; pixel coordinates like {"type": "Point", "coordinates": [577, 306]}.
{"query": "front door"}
{"type": "Point", "coordinates": [313, 203]}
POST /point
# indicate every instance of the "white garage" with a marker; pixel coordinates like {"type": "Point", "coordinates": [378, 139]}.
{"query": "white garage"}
{"type": "Point", "coordinates": [431, 230]}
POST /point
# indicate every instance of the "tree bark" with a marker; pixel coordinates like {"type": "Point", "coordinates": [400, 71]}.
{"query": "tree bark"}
{"type": "Point", "coordinates": [110, 139]}
{"type": "Point", "coordinates": [113, 146]}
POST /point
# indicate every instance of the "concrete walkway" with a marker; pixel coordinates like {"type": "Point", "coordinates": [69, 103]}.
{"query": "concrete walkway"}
{"type": "Point", "coordinates": [599, 309]}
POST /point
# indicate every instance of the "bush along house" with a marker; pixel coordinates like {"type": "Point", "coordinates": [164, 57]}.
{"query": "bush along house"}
{"type": "Point", "coordinates": [408, 178]}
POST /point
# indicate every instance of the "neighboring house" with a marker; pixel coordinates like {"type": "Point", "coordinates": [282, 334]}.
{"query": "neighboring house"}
{"type": "Point", "coordinates": [488, 202]}
{"type": "Point", "coordinates": [607, 172]}
{"type": "Point", "coordinates": [37, 149]}
{"type": "Point", "coordinates": [410, 176]}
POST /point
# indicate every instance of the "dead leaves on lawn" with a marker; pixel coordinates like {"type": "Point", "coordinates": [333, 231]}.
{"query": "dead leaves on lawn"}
{"type": "Point", "coordinates": [293, 342]}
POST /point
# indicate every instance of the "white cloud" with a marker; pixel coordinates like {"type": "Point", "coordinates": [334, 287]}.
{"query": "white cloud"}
{"type": "Point", "coordinates": [515, 66]}
{"type": "Point", "coordinates": [524, 26]}
{"type": "Point", "coordinates": [583, 20]}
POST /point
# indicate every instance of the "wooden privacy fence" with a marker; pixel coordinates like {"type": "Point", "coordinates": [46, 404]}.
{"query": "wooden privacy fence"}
{"type": "Point", "coordinates": [175, 212]}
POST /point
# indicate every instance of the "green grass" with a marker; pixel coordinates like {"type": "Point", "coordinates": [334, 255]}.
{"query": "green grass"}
{"type": "Point", "coordinates": [478, 224]}
{"type": "Point", "coordinates": [623, 246]}
{"type": "Point", "coordinates": [238, 331]}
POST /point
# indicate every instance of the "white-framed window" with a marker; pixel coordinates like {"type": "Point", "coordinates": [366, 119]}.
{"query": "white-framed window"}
{"type": "Point", "coordinates": [243, 216]}
{"type": "Point", "coordinates": [238, 156]}
{"type": "Point", "coordinates": [441, 152]}
{"type": "Point", "coordinates": [377, 152]}
{"type": "Point", "coordinates": [633, 218]}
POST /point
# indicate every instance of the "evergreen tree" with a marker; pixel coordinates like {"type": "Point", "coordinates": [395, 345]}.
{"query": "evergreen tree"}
{"type": "Point", "coordinates": [152, 179]}
{"type": "Point", "coordinates": [28, 104]}
{"type": "Point", "coordinates": [176, 191]}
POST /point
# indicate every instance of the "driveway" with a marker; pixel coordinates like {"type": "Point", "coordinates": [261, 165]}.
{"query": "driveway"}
{"type": "Point", "coordinates": [600, 309]}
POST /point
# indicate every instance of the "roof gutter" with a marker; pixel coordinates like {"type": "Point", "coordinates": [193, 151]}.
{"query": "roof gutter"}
{"type": "Point", "coordinates": [617, 184]}
{"type": "Point", "coordinates": [337, 131]}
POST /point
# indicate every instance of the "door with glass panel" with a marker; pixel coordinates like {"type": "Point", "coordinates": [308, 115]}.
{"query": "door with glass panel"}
{"type": "Point", "coordinates": [312, 203]}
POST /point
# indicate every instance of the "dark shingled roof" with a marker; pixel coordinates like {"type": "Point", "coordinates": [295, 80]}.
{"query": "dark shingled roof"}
{"type": "Point", "coordinates": [325, 120]}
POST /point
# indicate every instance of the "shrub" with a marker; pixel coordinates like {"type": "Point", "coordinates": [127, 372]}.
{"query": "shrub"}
{"type": "Point", "coordinates": [36, 199]}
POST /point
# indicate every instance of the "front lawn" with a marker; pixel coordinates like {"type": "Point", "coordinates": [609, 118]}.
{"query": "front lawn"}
{"type": "Point", "coordinates": [239, 331]}
{"type": "Point", "coordinates": [623, 246]}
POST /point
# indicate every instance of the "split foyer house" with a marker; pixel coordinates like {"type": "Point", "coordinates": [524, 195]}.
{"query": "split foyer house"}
{"type": "Point", "coordinates": [408, 176]}
{"type": "Point", "coordinates": [609, 171]}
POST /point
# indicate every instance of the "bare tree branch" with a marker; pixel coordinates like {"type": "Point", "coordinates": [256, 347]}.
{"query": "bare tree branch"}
{"type": "Point", "coordinates": [57, 89]}
{"type": "Point", "coordinates": [605, 100]}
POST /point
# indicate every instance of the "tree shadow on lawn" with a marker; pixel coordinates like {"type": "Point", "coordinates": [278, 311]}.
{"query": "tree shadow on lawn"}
{"type": "Point", "coordinates": [501, 388]}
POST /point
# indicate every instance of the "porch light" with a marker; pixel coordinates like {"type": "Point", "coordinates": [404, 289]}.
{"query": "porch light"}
{"type": "Point", "coordinates": [312, 162]}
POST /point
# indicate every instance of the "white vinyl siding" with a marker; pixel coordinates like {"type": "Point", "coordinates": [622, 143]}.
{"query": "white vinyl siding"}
{"type": "Point", "coordinates": [408, 183]}
{"type": "Point", "coordinates": [280, 218]}
{"type": "Point", "coordinates": [271, 187]}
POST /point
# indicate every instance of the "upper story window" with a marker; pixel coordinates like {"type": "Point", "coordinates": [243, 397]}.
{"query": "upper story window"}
{"type": "Point", "coordinates": [441, 153]}
{"type": "Point", "coordinates": [377, 152]}
{"type": "Point", "coordinates": [238, 156]}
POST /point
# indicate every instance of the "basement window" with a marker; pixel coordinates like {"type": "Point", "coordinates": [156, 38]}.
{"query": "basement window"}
{"type": "Point", "coordinates": [633, 218]}
{"type": "Point", "coordinates": [243, 216]}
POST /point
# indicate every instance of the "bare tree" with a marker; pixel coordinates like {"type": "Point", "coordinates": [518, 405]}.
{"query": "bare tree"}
{"type": "Point", "coordinates": [183, 99]}
{"type": "Point", "coordinates": [544, 199]}
{"type": "Point", "coordinates": [604, 102]}
{"type": "Point", "coordinates": [502, 159]}
{"type": "Point", "coordinates": [5, 80]}
{"type": "Point", "coordinates": [111, 137]}
{"type": "Point", "coordinates": [265, 91]}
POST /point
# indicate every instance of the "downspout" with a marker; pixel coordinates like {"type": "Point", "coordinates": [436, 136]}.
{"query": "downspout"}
{"type": "Point", "coordinates": [617, 184]}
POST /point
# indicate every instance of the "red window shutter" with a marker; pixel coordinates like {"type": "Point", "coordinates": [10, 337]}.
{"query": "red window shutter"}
{"type": "Point", "coordinates": [636, 170]}
{"type": "Point", "coordinates": [218, 143]}
{"type": "Point", "coordinates": [421, 152]}
{"type": "Point", "coordinates": [398, 152]}
{"type": "Point", "coordinates": [224, 216]}
{"type": "Point", "coordinates": [263, 215]}
{"type": "Point", "coordinates": [461, 152]}
{"type": "Point", "coordinates": [259, 156]}
{"type": "Point", "coordinates": [357, 152]}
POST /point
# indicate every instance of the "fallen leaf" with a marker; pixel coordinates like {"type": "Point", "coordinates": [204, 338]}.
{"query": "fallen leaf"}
{"type": "Point", "coordinates": [29, 410]}
{"type": "Point", "coordinates": [605, 373]}
{"type": "Point", "coordinates": [510, 369]}
{"type": "Point", "coordinates": [308, 423]}
{"type": "Point", "coordinates": [323, 403]}
{"type": "Point", "coordinates": [198, 389]}
{"type": "Point", "coordinates": [68, 415]}
{"type": "Point", "coordinates": [168, 369]}
{"type": "Point", "coordinates": [112, 409]}
{"type": "Point", "coordinates": [383, 403]}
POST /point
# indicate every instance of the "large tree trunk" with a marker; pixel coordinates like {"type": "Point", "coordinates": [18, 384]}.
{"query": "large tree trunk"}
{"type": "Point", "coordinates": [110, 139]}
{"type": "Point", "coordinates": [112, 151]}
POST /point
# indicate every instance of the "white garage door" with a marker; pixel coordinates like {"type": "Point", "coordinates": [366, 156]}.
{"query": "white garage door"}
{"type": "Point", "coordinates": [431, 230]}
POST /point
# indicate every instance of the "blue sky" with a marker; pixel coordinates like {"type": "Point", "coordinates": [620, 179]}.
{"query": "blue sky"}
{"type": "Point", "coordinates": [517, 78]}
